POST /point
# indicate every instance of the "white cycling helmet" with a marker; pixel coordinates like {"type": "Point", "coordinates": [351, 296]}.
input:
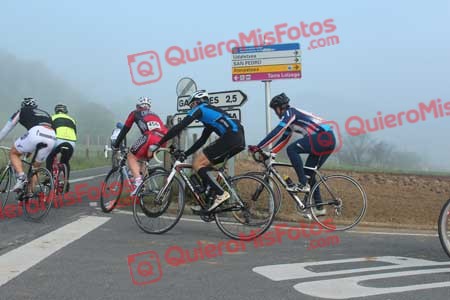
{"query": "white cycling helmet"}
{"type": "Point", "coordinates": [30, 102]}
{"type": "Point", "coordinates": [144, 101]}
{"type": "Point", "coordinates": [201, 95]}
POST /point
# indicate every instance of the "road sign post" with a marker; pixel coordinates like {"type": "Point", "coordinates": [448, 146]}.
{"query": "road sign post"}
{"type": "Point", "coordinates": [267, 92]}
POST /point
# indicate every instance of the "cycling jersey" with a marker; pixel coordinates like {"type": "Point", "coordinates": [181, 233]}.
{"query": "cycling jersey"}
{"type": "Point", "coordinates": [214, 119]}
{"type": "Point", "coordinates": [28, 117]}
{"type": "Point", "coordinates": [218, 120]}
{"type": "Point", "coordinates": [115, 134]}
{"type": "Point", "coordinates": [147, 121]}
{"type": "Point", "coordinates": [65, 127]}
{"type": "Point", "coordinates": [294, 120]}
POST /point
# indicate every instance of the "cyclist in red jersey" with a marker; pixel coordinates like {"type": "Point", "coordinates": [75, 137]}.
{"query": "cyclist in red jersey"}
{"type": "Point", "coordinates": [152, 129]}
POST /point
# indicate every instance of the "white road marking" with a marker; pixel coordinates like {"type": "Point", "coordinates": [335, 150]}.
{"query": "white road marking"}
{"type": "Point", "coordinates": [298, 228]}
{"type": "Point", "coordinates": [393, 233]}
{"type": "Point", "coordinates": [352, 287]}
{"type": "Point", "coordinates": [300, 270]}
{"type": "Point", "coordinates": [17, 261]}
{"type": "Point", "coordinates": [86, 170]}
{"type": "Point", "coordinates": [86, 178]}
{"type": "Point", "coordinates": [125, 212]}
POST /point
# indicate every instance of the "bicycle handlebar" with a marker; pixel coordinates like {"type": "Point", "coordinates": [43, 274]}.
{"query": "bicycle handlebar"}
{"type": "Point", "coordinates": [265, 155]}
{"type": "Point", "coordinates": [5, 148]}
{"type": "Point", "coordinates": [176, 153]}
{"type": "Point", "coordinates": [160, 150]}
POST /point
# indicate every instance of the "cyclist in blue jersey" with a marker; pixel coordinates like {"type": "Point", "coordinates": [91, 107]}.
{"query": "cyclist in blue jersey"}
{"type": "Point", "coordinates": [231, 141]}
{"type": "Point", "coordinates": [313, 130]}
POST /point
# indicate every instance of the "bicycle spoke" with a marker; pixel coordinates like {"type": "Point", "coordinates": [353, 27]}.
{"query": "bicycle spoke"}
{"type": "Point", "coordinates": [246, 217]}
{"type": "Point", "coordinates": [112, 189]}
{"type": "Point", "coordinates": [342, 202]}
{"type": "Point", "coordinates": [444, 227]}
{"type": "Point", "coordinates": [5, 186]}
{"type": "Point", "coordinates": [40, 195]}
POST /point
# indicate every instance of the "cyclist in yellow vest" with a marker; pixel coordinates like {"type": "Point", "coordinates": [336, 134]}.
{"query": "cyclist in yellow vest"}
{"type": "Point", "coordinates": [66, 136]}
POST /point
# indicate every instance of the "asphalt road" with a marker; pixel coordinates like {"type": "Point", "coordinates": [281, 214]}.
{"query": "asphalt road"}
{"type": "Point", "coordinates": [80, 253]}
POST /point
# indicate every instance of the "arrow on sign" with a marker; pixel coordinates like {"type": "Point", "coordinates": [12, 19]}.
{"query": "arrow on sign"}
{"type": "Point", "coordinates": [225, 99]}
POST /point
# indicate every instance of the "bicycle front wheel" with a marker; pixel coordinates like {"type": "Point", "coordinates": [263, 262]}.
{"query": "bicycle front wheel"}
{"type": "Point", "coordinates": [39, 196]}
{"type": "Point", "coordinates": [273, 184]}
{"type": "Point", "coordinates": [159, 203]}
{"type": "Point", "coordinates": [112, 189]}
{"type": "Point", "coordinates": [444, 227]}
{"type": "Point", "coordinates": [5, 186]}
{"type": "Point", "coordinates": [243, 216]}
{"type": "Point", "coordinates": [344, 202]}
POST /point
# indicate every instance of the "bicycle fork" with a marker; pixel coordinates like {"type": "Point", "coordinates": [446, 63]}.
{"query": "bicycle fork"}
{"type": "Point", "coordinates": [231, 189]}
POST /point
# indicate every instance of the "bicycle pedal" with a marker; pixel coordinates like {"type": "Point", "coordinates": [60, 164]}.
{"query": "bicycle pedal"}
{"type": "Point", "coordinates": [202, 212]}
{"type": "Point", "coordinates": [307, 216]}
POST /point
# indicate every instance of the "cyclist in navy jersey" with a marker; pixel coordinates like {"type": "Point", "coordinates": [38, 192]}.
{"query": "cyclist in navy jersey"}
{"type": "Point", "coordinates": [310, 126]}
{"type": "Point", "coordinates": [231, 141]}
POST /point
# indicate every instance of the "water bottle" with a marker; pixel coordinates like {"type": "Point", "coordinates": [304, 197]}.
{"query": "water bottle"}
{"type": "Point", "coordinates": [288, 180]}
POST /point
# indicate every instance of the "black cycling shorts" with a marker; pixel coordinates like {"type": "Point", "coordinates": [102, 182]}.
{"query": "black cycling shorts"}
{"type": "Point", "coordinates": [227, 146]}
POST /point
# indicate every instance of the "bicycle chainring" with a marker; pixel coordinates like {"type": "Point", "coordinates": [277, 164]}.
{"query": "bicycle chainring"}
{"type": "Point", "coordinates": [208, 218]}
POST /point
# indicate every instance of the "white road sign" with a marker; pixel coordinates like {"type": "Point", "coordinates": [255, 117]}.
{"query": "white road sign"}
{"type": "Point", "coordinates": [225, 99]}
{"type": "Point", "coordinates": [234, 113]}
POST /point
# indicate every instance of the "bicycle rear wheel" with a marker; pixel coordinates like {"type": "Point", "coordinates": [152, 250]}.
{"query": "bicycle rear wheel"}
{"type": "Point", "coordinates": [60, 187]}
{"type": "Point", "coordinates": [159, 203]}
{"type": "Point", "coordinates": [344, 201]}
{"type": "Point", "coordinates": [5, 186]}
{"type": "Point", "coordinates": [40, 195]}
{"type": "Point", "coordinates": [112, 189]}
{"type": "Point", "coordinates": [444, 227]}
{"type": "Point", "coordinates": [244, 217]}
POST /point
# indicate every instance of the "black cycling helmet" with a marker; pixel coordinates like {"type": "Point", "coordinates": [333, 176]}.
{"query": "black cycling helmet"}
{"type": "Point", "coordinates": [200, 95]}
{"type": "Point", "coordinates": [29, 102]}
{"type": "Point", "coordinates": [61, 108]}
{"type": "Point", "coordinates": [279, 100]}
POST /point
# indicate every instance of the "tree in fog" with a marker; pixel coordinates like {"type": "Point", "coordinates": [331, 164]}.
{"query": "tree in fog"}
{"type": "Point", "coordinates": [366, 151]}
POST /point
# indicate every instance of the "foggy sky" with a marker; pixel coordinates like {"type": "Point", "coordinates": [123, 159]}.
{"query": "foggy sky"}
{"type": "Point", "coordinates": [392, 55]}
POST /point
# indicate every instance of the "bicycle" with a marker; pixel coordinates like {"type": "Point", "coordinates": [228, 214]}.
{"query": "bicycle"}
{"type": "Point", "coordinates": [59, 172]}
{"type": "Point", "coordinates": [6, 179]}
{"type": "Point", "coordinates": [444, 227]}
{"type": "Point", "coordinates": [160, 200]}
{"type": "Point", "coordinates": [339, 189]}
{"type": "Point", "coordinates": [37, 192]}
{"type": "Point", "coordinates": [118, 177]}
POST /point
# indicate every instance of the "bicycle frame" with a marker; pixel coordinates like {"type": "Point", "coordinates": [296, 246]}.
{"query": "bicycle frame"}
{"type": "Point", "coordinates": [144, 165]}
{"type": "Point", "coordinates": [271, 165]}
{"type": "Point", "coordinates": [178, 168]}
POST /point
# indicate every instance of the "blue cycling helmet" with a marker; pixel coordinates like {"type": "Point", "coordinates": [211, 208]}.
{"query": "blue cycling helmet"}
{"type": "Point", "coordinates": [119, 125]}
